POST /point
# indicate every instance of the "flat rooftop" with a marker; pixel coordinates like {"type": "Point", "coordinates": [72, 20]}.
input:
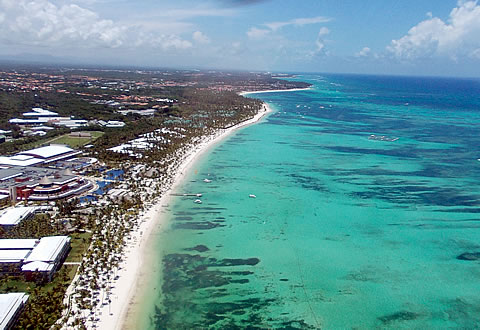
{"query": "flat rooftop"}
{"type": "Point", "coordinates": [45, 250]}
{"type": "Point", "coordinates": [12, 161]}
{"type": "Point", "coordinates": [18, 243]}
{"type": "Point", "coordinates": [13, 256]}
{"type": "Point", "coordinates": [48, 151]}
{"type": "Point", "coordinates": [10, 303]}
{"type": "Point", "coordinates": [14, 215]}
{"type": "Point", "coordinates": [48, 249]}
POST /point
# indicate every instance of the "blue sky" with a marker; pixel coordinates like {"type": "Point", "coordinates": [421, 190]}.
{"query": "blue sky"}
{"type": "Point", "coordinates": [427, 37]}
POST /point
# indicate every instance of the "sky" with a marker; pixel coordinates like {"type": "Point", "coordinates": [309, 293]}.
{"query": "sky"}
{"type": "Point", "coordinates": [405, 37]}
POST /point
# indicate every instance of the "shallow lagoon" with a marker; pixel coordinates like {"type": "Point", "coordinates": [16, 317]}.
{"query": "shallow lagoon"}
{"type": "Point", "coordinates": [346, 231]}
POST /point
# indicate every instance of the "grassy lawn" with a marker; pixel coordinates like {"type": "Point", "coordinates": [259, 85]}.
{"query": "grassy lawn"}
{"type": "Point", "coordinates": [76, 142]}
{"type": "Point", "coordinates": [73, 142]}
{"type": "Point", "coordinates": [80, 243]}
{"type": "Point", "coordinates": [66, 272]}
{"type": "Point", "coordinates": [14, 284]}
{"type": "Point", "coordinates": [18, 284]}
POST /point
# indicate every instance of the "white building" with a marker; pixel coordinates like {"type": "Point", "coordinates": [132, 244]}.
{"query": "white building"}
{"type": "Point", "coordinates": [34, 258]}
{"type": "Point", "coordinates": [14, 215]}
{"type": "Point", "coordinates": [39, 112]}
{"type": "Point", "coordinates": [114, 124]}
{"type": "Point", "coordinates": [42, 155]}
{"type": "Point", "coordinates": [11, 305]}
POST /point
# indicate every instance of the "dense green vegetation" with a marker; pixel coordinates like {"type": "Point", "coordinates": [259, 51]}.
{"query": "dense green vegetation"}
{"type": "Point", "coordinates": [45, 303]}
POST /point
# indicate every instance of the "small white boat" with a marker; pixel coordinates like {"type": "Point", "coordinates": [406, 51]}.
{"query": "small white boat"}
{"type": "Point", "coordinates": [197, 201]}
{"type": "Point", "coordinates": [252, 196]}
{"type": "Point", "coordinates": [207, 181]}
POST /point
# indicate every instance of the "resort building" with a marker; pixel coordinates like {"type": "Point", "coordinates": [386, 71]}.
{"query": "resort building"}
{"type": "Point", "coordinates": [40, 184]}
{"type": "Point", "coordinates": [111, 123]}
{"type": "Point", "coordinates": [43, 174]}
{"type": "Point", "coordinates": [39, 112]}
{"type": "Point", "coordinates": [144, 112]}
{"type": "Point", "coordinates": [35, 259]}
{"type": "Point", "coordinates": [39, 116]}
{"type": "Point", "coordinates": [11, 306]}
{"type": "Point", "coordinates": [36, 121]}
{"type": "Point", "coordinates": [40, 156]}
{"type": "Point", "coordinates": [14, 215]}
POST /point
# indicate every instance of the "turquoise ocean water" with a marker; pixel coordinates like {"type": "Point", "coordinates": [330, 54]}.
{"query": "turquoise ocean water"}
{"type": "Point", "coordinates": [346, 230]}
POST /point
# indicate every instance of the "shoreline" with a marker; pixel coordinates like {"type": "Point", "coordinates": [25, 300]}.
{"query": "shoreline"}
{"type": "Point", "coordinates": [275, 91]}
{"type": "Point", "coordinates": [131, 277]}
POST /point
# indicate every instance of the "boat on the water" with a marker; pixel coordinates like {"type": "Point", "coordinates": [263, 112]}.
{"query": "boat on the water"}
{"type": "Point", "coordinates": [382, 138]}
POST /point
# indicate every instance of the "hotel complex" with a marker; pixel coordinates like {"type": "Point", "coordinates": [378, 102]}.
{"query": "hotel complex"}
{"type": "Point", "coordinates": [32, 175]}
{"type": "Point", "coordinates": [41, 174]}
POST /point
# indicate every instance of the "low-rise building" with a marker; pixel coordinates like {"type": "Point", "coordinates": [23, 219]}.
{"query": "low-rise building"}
{"type": "Point", "coordinates": [143, 112]}
{"type": "Point", "coordinates": [41, 184]}
{"type": "Point", "coordinates": [12, 216]}
{"type": "Point", "coordinates": [114, 124]}
{"type": "Point", "coordinates": [35, 259]}
{"type": "Point", "coordinates": [11, 306]}
{"type": "Point", "coordinates": [39, 112]}
{"type": "Point", "coordinates": [40, 156]}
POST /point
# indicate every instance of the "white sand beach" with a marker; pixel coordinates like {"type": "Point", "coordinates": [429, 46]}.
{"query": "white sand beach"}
{"type": "Point", "coordinates": [135, 263]}
{"type": "Point", "coordinates": [275, 91]}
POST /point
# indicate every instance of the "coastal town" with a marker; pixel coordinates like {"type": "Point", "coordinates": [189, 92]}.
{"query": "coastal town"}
{"type": "Point", "coordinates": [87, 158]}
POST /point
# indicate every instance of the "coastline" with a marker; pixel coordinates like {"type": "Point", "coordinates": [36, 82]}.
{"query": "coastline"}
{"type": "Point", "coordinates": [131, 277]}
{"type": "Point", "coordinates": [275, 91]}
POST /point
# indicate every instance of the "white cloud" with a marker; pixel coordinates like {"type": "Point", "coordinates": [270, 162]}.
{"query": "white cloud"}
{"type": "Point", "coordinates": [366, 51]}
{"type": "Point", "coordinates": [323, 31]}
{"type": "Point", "coordinates": [274, 26]}
{"type": "Point", "coordinates": [320, 42]}
{"type": "Point", "coordinates": [255, 33]}
{"type": "Point", "coordinates": [43, 23]}
{"type": "Point", "coordinates": [260, 33]}
{"type": "Point", "coordinates": [458, 37]}
{"type": "Point", "coordinates": [475, 54]}
{"type": "Point", "coordinates": [165, 42]}
{"type": "Point", "coordinates": [200, 38]}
